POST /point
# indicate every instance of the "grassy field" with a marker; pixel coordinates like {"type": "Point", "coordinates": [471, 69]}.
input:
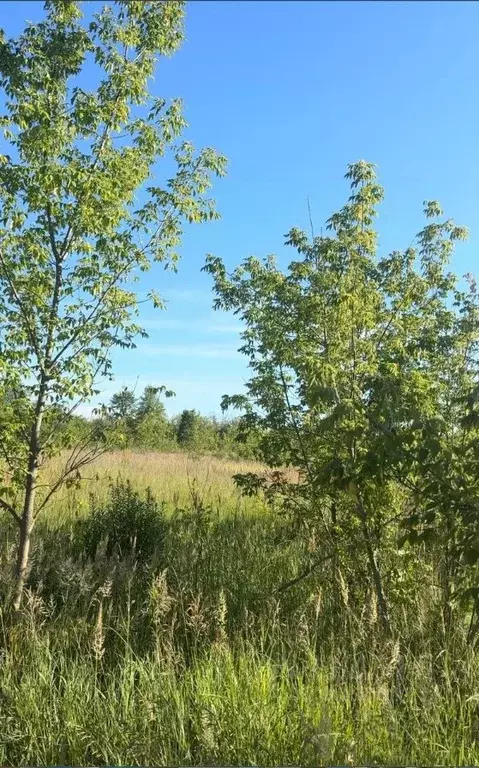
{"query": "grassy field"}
{"type": "Point", "coordinates": [177, 479]}
{"type": "Point", "coordinates": [159, 633]}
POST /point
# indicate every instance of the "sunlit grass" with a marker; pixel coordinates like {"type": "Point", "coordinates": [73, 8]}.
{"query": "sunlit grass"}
{"type": "Point", "coordinates": [224, 707]}
{"type": "Point", "coordinates": [190, 653]}
{"type": "Point", "coordinates": [175, 478]}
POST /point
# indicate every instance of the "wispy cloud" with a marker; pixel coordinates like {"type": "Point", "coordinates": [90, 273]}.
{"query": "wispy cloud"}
{"type": "Point", "coordinates": [217, 351]}
{"type": "Point", "coordinates": [131, 380]}
{"type": "Point", "coordinates": [195, 295]}
{"type": "Point", "coordinates": [219, 328]}
{"type": "Point", "coordinates": [203, 392]}
{"type": "Point", "coordinates": [165, 325]}
{"type": "Point", "coordinates": [169, 324]}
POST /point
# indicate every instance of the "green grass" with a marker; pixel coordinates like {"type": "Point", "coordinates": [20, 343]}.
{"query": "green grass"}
{"type": "Point", "coordinates": [224, 708]}
{"type": "Point", "coordinates": [185, 652]}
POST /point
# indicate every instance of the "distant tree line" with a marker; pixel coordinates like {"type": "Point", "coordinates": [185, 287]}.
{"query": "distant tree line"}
{"type": "Point", "coordinates": [141, 422]}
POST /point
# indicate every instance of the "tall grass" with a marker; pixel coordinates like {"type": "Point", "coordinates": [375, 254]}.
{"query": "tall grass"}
{"type": "Point", "coordinates": [225, 707]}
{"type": "Point", "coordinates": [172, 477]}
{"type": "Point", "coordinates": [159, 634]}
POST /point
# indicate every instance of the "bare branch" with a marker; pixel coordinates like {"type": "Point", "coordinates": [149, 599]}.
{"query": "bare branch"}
{"type": "Point", "coordinates": [8, 508]}
{"type": "Point", "coordinates": [305, 573]}
{"type": "Point", "coordinates": [75, 462]}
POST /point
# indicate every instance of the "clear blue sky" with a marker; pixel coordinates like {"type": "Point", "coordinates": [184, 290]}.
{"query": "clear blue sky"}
{"type": "Point", "coordinates": [291, 92]}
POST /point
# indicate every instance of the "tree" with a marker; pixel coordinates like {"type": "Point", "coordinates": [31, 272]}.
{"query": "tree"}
{"type": "Point", "coordinates": [152, 427]}
{"type": "Point", "coordinates": [187, 427]}
{"type": "Point", "coordinates": [74, 231]}
{"type": "Point", "coordinates": [353, 358]}
{"type": "Point", "coordinates": [150, 403]}
{"type": "Point", "coordinates": [123, 404]}
{"type": "Point", "coordinates": [119, 418]}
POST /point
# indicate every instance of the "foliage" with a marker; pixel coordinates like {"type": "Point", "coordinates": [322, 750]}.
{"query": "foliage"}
{"type": "Point", "coordinates": [122, 404]}
{"type": "Point", "coordinates": [203, 657]}
{"type": "Point", "coordinates": [126, 524]}
{"type": "Point", "coordinates": [143, 424]}
{"type": "Point", "coordinates": [364, 368]}
{"type": "Point", "coordinates": [188, 423]}
{"type": "Point", "coordinates": [331, 615]}
{"type": "Point", "coordinates": [198, 433]}
{"type": "Point", "coordinates": [74, 232]}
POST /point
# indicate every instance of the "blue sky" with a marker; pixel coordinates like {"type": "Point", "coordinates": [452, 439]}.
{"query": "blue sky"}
{"type": "Point", "coordinates": [292, 92]}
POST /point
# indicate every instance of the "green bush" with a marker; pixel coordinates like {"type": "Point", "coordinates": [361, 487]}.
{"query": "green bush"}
{"type": "Point", "coordinates": [126, 523]}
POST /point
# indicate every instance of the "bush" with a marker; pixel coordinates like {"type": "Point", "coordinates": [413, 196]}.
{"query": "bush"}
{"type": "Point", "coordinates": [126, 523]}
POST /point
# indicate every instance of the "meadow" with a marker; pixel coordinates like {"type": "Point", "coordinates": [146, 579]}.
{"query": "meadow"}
{"type": "Point", "coordinates": [152, 613]}
{"type": "Point", "coordinates": [174, 478]}
{"type": "Point", "coordinates": [161, 626]}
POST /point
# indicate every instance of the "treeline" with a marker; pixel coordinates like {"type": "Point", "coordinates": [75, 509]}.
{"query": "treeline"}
{"type": "Point", "coordinates": [141, 422]}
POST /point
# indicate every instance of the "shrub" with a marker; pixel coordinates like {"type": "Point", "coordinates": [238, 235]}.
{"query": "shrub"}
{"type": "Point", "coordinates": [125, 523]}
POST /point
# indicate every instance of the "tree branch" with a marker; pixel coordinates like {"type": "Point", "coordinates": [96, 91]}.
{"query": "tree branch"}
{"type": "Point", "coordinates": [75, 462]}
{"type": "Point", "coordinates": [30, 330]}
{"type": "Point", "coordinates": [304, 574]}
{"type": "Point", "coordinates": [8, 508]}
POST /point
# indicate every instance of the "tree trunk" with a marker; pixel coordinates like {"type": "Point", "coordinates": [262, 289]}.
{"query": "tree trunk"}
{"type": "Point", "coordinates": [26, 526]}
{"type": "Point", "coordinates": [34, 448]}
{"type": "Point", "coordinates": [27, 519]}
{"type": "Point", "coordinates": [374, 570]}
{"type": "Point", "coordinates": [378, 585]}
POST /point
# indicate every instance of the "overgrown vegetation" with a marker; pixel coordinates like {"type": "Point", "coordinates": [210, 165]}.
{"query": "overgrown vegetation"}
{"type": "Point", "coordinates": [142, 423]}
{"type": "Point", "coordinates": [198, 649]}
{"type": "Point", "coordinates": [365, 378]}
{"type": "Point", "coordinates": [73, 233]}
{"type": "Point", "coordinates": [326, 615]}
{"type": "Point", "coordinates": [325, 611]}
{"type": "Point", "coordinates": [319, 607]}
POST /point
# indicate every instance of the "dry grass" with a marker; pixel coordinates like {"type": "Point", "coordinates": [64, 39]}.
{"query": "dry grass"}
{"type": "Point", "coordinates": [174, 478]}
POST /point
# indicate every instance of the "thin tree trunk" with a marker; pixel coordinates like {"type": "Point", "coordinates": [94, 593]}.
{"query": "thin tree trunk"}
{"type": "Point", "coordinates": [378, 585]}
{"type": "Point", "coordinates": [26, 526]}
{"type": "Point", "coordinates": [374, 570]}
{"type": "Point", "coordinates": [34, 448]}
{"type": "Point", "coordinates": [27, 518]}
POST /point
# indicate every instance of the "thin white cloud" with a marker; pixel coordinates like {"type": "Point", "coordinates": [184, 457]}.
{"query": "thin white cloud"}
{"type": "Point", "coordinates": [202, 392]}
{"type": "Point", "coordinates": [218, 351]}
{"type": "Point", "coordinates": [195, 295]}
{"type": "Point", "coordinates": [164, 325]}
{"type": "Point", "coordinates": [169, 324]}
{"type": "Point", "coordinates": [140, 381]}
{"type": "Point", "coordinates": [226, 328]}
{"type": "Point", "coordinates": [205, 386]}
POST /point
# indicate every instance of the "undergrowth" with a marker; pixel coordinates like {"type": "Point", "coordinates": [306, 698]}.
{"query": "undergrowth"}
{"type": "Point", "coordinates": [152, 636]}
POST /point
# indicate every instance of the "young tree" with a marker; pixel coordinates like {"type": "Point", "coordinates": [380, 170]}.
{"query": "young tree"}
{"type": "Point", "coordinates": [74, 232]}
{"type": "Point", "coordinates": [352, 357]}
{"type": "Point", "coordinates": [187, 427]}
{"type": "Point", "coordinates": [123, 404]}
{"type": "Point", "coordinates": [119, 417]}
{"type": "Point", "coordinates": [150, 403]}
{"type": "Point", "coordinates": [152, 427]}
